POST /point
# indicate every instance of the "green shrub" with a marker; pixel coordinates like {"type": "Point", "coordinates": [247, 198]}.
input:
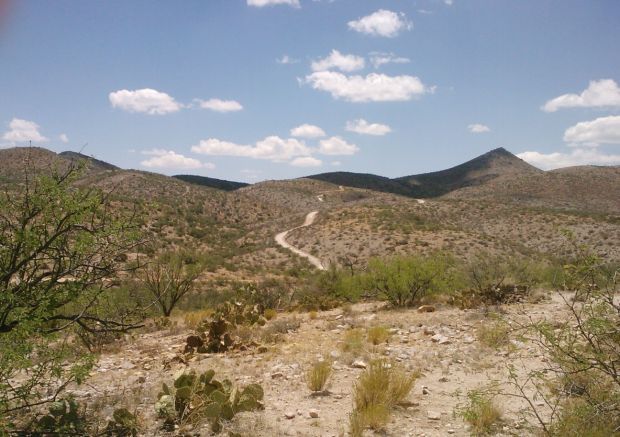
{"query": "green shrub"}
{"type": "Point", "coordinates": [481, 413]}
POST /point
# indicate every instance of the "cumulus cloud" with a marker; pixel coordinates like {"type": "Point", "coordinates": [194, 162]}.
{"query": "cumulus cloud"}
{"type": "Point", "coordinates": [272, 148]}
{"type": "Point", "coordinates": [144, 100]}
{"type": "Point", "coordinates": [286, 59]}
{"type": "Point", "coordinates": [336, 163]}
{"type": "Point", "coordinates": [307, 131]}
{"type": "Point", "coordinates": [21, 131]}
{"type": "Point", "coordinates": [381, 23]}
{"type": "Point", "coordinates": [169, 159]}
{"type": "Point", "coordinates": [64, 138]}
{"type": "Point", "coordinates": [306, 161]}
{"type": "Point", "coordinates": [361, 126]}
{"type": "Point", "coordinates": [580, 156]}
{"type": "Point", "coordinates": [603, 130]}
{"type": "Point", "coordinates": [478, 128]}
{"type": "Point", "coordinates": [337, 60]}
{"type": "Point", "coordinates": [371, 88]}
{"type": "Point", "coordinates": [378, 59]}
{"type": "Point", "coordinates": [600, 93]}
{"type": "Point", "coordinates": [337, 146]}
{"type": "Point", "coordinates": [262, 3]}
{"type": "Point", "coordinates": [220, 105]}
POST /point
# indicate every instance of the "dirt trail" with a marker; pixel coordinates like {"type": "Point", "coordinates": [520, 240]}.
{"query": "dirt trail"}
{"type": "Point", "coordinates": [281, 240]}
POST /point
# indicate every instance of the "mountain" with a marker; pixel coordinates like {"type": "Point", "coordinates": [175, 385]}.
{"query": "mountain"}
{"type": "Point", "coordinates": [93, 164]}
{"type": "Point", "coordinates": [205, 181]}
{"type": "Point", "coordinates": [498, 163]}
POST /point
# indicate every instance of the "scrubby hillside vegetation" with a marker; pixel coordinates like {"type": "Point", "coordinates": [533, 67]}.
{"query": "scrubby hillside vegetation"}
{"type": "Point", "coordinates": [139, 304]}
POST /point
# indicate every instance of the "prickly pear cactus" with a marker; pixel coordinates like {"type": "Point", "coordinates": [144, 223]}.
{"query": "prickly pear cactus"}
{"type": "Point", "coordinates": [216, 400]}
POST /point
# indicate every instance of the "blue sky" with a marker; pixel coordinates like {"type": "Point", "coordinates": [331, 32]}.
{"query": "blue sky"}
{"type": "Point", "coordinates": [271, 89]}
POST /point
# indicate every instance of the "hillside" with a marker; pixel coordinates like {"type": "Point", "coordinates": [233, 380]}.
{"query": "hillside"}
{"type": "Point", "coordinates": [93, 163]}
{"type": "Point", "coordinates": [205, 181]}
{"type": "Point", "coordinates": [498, 163]}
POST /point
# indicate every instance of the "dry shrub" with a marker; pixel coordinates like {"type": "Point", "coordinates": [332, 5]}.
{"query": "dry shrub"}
{"type": "Point", "coordinates": [494, 334]}
{"type": "Point", "coordinates": [377, 391]}
{"type": "Point", "coordinates": [270, 313]}
{"type": "Point", "coordinates": [318, 375]}
{"type": "Point", "coordinates": [193, 318]}
{"type": "Point", "coordinates": [481, 413]}
{"type": "Point", "coordinates": [378, 334]}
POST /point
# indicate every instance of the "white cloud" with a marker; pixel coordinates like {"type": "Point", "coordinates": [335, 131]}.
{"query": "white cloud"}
{"type": "Point", "coordinates": [342, 62]}
{"type": "Point", "coordinates": [64, 138]}
{"type": "Point", "coordinates": [336, 163]}
{"type": "Point", "coordinates": [478, 128]}
{"type": "Point", "coordinates": [286, 59]}
{"type": "Point", "coordinates": [169, 159]}
{"type": "Point", "coordinates": [21, 131]}
{"type": "Point", "coordinates": [603, 130]}
{"type": "Point", "coordinates": [381, 23]}
{"type": "Point", "coordinates": [378, 59]}
{"type": "Point", "coordinates": [449, 2]}
{"type": "Point", "coordinates": [220, 105]}
{"type": "Point", "coordinates": [337, 146]}
{"type": "Point", "coordinates": [361, 126]}
{"type": "Point", "coordinates": [145, 100]}
{"type": "Point", "coordinates": [307, 131]}
{"type": "Point", "coordinates": [262, 3]}
{"type": "Point", "coordinates": [306, 161]}
{"type": "Point", "coordinates": [600, 93]}
{"type": "Point", "coordinates": [575, 157]}
{"type": "Point", "coordinates": [371, 88]}
{"type": "Point", "coordinates": [272, 148]}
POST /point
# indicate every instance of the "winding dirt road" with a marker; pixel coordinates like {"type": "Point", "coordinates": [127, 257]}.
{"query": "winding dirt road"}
{"type": "Point", "coordinates": [281, 240]}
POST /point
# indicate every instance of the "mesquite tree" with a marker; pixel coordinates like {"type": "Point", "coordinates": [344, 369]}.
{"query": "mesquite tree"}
{"type": "Point", "coordinates": [60, 247]}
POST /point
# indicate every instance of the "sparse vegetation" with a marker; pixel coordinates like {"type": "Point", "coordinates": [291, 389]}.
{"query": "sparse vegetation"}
{"type": "Point", "coordinates": [481, 413]}
{"type": "Point", "coordinates": [318, 375]}
{"type": "Point", "coordinates": [377, 335]}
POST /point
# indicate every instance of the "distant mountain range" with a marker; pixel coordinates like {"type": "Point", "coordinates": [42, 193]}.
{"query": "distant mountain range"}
{"type": "Point", "coordinates": [497, 163]}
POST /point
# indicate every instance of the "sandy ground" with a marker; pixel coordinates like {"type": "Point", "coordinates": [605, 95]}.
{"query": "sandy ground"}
{"type": "Point", "coordinates": [133, 374]}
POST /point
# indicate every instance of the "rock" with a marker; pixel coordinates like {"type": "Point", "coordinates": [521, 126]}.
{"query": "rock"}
{"type": "Point", "coordinates": [426, 309]}
{"type": "Point", "coordinates": [276, 375]}
{"type": "Point", "coordinates": [443, 379]}
{"type": "Point", "coordinates": [359, 364]}
{"type": "Point", "coordinates": [313, 413]}
{"type": "Point", "coordinates": [290, 415]}
{"type": "Point", "coordinates": [194, 341]}
{"type": "Point", "coordinates": [425, 390]}
{"type": "Point", "coordinates": [440, 339]}
{"type": "Point", "coordinates": [334, 354]}
{"type": "Point", "coordinates": [433, 415]}
{"type": "Point", "coordinates": [428, 331]}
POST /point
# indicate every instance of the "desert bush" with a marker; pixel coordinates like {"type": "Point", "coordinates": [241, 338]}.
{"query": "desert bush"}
{"type": "Point", "coordinates": [494, 333]}
{"type": "Point", "coordinates": [353, 341]}
{"type": "Point", "coordinates": [318, 375]}
{"type": "Point", "coordinates": [192, 319]}
{"type": "Point", "coordinates": [480, 412]}
{"type": "Point", "coordinates": [377, 335]}
{"type": "Point", "coordinates": [170, 277]}
{"type": "Point", "coordinates": [58, 245]}
{"type": "Point", "coordinates": [270, 313]}
{"type": "Point", "coordinates": [404, 281]}
{"type": "Point", "coordinates": [378, 390]}
{"type": "Point", "coordinates": [580, 386]}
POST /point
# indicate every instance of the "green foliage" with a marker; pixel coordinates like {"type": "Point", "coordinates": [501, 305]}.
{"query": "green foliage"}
{"type": "Point", "coordinates": [123, 424]}
{"type": "Point", "coordinates": [64, 417]}
{"type": "Point", "coordinates": [480, 412]}
{"type": "Point", "coordinates": [404, 281]}
{"type": "Point", "coordinates": [59, 245]}
{"type": "Point", "coordinates": [198, 397]}
{"type": "Point", "coordinates": [582, 379]}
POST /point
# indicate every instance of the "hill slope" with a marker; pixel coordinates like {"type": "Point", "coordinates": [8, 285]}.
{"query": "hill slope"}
{"type": "Point", "coordinates": [205, 181]}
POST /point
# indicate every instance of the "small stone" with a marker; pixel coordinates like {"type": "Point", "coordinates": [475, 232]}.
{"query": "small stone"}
{"type": "Point", "coordinates": [276, 375]}
{"type": "Point", "coordinates": [433, 415]}
{"type": "Point", "coordinates": [428, 331]}
{"type": "Point", "coordinates": [290, 415]}
{"type": "Point", "coordinates": [426, 309]}
{"type": "Point", "coordinates": [359, 364]}
{"type": "Point", "coordinates": [425, 390]}
{"type": "Point", "coordinates": [334, 354]}
{"type": "Point", "coordinates": [313, 413]}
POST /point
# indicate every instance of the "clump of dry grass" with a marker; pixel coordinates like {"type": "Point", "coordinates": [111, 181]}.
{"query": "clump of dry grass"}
{"type": "Point", "coordinates": [313, 315]}
{"type": "Point", "coordinates": [377, 391]}
{"type": "Point", "coordinates": [377, 335]}
{"type": "Point", "coordinates": [318, 375]}
{"type": "Point", "coordinates": [193, 318]}
{"type": "Point", "coordinates": [353, 341]}
{"type": "Point", "coordinates": [481, 413]}
{"type": "Point", "coordinates": [495, 334]}
{"type": "Point", "coordinates": [270, 314]}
